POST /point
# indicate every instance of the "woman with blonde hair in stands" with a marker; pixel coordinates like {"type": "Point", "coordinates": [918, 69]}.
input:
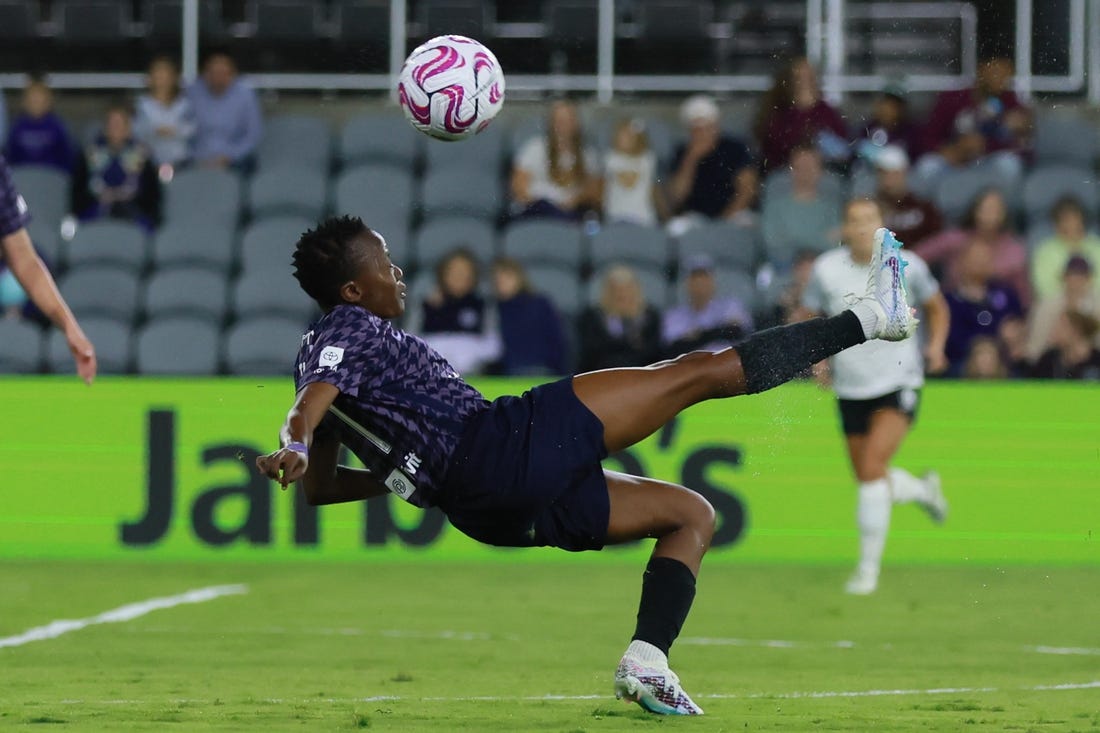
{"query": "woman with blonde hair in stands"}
{"type": "Point", "coordinates": [623, 329]}
{"type": "Point", "coordinates": [553, 175]}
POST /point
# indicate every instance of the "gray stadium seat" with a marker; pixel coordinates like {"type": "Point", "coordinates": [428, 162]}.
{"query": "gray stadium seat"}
{"type": "Point", "coordinates": [108, 242]}
{"type": "Point", "coordinates": [203, 193]}
{"type": "Point", "coordinates": [465, 17]}
{"type": "Point", "coordinates": [268, 244]}
{"type": "Point", "coordinates": [18, 20]}
{"type": "Point", "coordinates": [484, 151]}
{"type": "Point", "coordinates": [655, 286]}
{"type": "Point", "coordinates": [47, 240]}
{"type": "Point", "coordinates": [630, 243]}
{"type": "Point", "coordinates": [461, 192]}
{"type": "Point", "coordinates": [544, 242]}
{"type": "Point", "coordinates": [376, 191]}
{"type": "Point", "coordinates": [362, 22]}
{"type": "Point", "coordinates": [286, 188]}
{"type": "Point", "coordinates": [262, 346]}
{"type": "Point", "coordinates": [177, 345]}
{"type": "Point", "coordinates": [1065, 139]}
{"type": "Point", "coordinates": [271, 292]}
{"type": "Point", "coordinates": [956, 190]}
{"type": "Point", "coordinates": [46, 191]}
{"type": "Point", "coordinates": [302, 141]}
{"type": "Point", "coordinates": [1045, 185]}
{"type": "Point", "coordinates": [729, 244]}
{"type": "Point", "coordinates": [440, 236]}
{"type": "Point", "coordinates": [194, 242]}
{"type": "Point", "coordinates": [380, 138]}
{"type": "Point", "coordinates": [286, 20]}
{"type": "Point", "coordinates": [561, 285]}
{"type": "Point", "coordinates": [102, 291]}
{"type": "Point", "coordinates": [186, 291]}
{"type": "Point", "coordinates": [738, 284]}
{"type": "Point", "coordinates": [163, 20]}
{"type": "Point", "coordinates": [112, 341]}
{"type": "Point", "coordinates": [91, 20]}
{"type": "Point", "coordinates": [20, 347]}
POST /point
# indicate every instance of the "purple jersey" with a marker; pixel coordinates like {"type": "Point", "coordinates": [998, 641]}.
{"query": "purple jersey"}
{"type": "Point", "coordinates": [13, 209]}
{"type": "Point", "coordinates": [402, 408]}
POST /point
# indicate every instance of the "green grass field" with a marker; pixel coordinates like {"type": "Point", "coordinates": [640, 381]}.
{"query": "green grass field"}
{"type": "Point", "coordinates": [532, 647]}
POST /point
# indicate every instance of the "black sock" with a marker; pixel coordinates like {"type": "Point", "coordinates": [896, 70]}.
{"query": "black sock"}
{"type": "Point", "coordinates": [777, 355]}
{"type": "Point", "coordinates": [668, 588]}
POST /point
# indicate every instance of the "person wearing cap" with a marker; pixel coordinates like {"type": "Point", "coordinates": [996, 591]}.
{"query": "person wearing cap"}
{"type": "Point", "coordinates": [713, 174]}
{"type": "Point", "coordinates": [704, 321]}
{"type": "Point", "coordinates": [1078, 294]}
{"type": "Point", "coordinates": [1071, 237]}
{"type": "Point", "coordinates": [909, 217]}
{"type": "Point", "coordinates": [890, 123]}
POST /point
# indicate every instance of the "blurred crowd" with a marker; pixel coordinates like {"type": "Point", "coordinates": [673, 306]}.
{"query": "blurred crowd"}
{"type": "Point", "coordinates": [1026, 307]}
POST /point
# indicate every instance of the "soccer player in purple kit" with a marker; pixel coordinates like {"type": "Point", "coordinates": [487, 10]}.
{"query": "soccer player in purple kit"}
{"type": "Point", "coordinates": [525, 471]}
{"type": "Point", "coordinates": [19, 255]}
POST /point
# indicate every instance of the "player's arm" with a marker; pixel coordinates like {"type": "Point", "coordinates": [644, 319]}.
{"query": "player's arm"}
{"type": "Point", "coordinates": [291, 461]}
{"type": "Point", "coordinates": [327, 482]}
{"type": "Point", "coordinates": [31, 273]}
{"type": "Point", "coordinates": [937, 321]}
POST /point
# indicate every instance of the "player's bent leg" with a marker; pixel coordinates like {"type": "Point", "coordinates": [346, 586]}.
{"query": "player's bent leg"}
{"type": "Point", "coordinates": [683, 523]}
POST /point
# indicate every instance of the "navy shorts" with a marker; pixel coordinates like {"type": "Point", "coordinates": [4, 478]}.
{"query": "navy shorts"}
{"type": "Point", "coordinates": [855, 415]}
{"type": "Point", "coordinates": [527, 473]}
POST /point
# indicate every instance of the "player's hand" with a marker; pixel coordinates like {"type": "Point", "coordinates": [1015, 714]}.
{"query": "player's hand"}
{"type": "Point", "coordinates": [935, 360]}
{"type": "Point", "coordinates": [83, 353]}
{"type": "Point", "coordinates": [284, 465]}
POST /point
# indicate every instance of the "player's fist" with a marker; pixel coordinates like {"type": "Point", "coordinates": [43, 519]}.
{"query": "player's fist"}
{"type": "Point", "coordinates": [284, 465]}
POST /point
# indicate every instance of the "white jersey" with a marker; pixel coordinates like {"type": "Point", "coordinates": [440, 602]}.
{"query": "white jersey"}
{"type": "Point", "coordinates": [874, 368]}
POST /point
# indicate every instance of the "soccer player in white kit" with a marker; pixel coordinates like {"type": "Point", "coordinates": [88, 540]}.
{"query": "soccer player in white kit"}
{"type": "Point", "coordinates": [878, 383]}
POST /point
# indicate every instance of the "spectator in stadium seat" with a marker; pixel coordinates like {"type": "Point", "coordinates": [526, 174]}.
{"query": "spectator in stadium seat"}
{"type": "Point", "coordinates": [1078, 294]}
{"type": "Point", "coordinates": [556, 175]}
{"type": "Point", "coordinates": [713, 173]}
{"type": "Point", "coordinates": [38, 135]}
{"type": "Point", "coordinates": [986, 220]}
{"type": "Point", "coordinates": [1012, 336]}
{"type": "Point", "coordinates": [705, 321]}
{"type": "Point", "coordinates": [630, 192]}
{"type": "Point", "coordinates": [985, 360]}
{"type": "Point", "coordinates": [978, 303]}
{"type": "Point", "coordinates": [793, 113]}
{"type": "Point", "coordinates": [911, 218]}
{"type": "Point", "coordinates": [115, 176]}
{"type": "Point", "coordinates": [1073, 353]}
{"type": "Point", "coordinates": [889, 124]}
{"type": "Point", "coordinates": [164, 120]}
{"type": "Point", "coordinates": [801, 219]}
{"type": "Point", "coordinates": [229, 124]}
{"type": "Point", "coordinates": [1071, 237]}
{"type": "Point", "coordinates": [531, 331]}
{"type": "Point", "coordinates": [622, 330]}
{"type": "Point", "coordinates": [788, 288]}
{"type": "Point", "coordinates": [455, 319]}
{"type": "Point", "coordinates": [987, 121]}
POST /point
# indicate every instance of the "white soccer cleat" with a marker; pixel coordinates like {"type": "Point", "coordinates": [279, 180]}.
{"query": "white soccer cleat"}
{"type": "Point", "coordinates": [936, 504]}
{"type": "Point", "coordinates": [656, 688]}
{"type": "Point", "coordinates": [886, 290]}
{"type": "Point", "coordinates": [862, 583]}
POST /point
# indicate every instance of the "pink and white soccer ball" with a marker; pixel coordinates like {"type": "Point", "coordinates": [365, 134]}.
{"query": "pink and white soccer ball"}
{"type": "Point", "coordinates": [451, 87]}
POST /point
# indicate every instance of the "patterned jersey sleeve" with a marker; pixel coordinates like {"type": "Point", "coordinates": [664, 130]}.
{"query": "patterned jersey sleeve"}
{"type": "Point", "coordinates": [13, 209]}
{"type": "Point", "coordinates": [922, 283]}
{"type": "Point", "coordinates": [338, 353]}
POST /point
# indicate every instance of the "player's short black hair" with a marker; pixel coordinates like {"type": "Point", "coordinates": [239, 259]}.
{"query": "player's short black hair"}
{"type": "Point", "coordinates": [324, 259]}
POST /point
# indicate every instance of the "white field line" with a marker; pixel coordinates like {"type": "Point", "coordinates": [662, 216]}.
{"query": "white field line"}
{"type": "Point", "coordinates": [128, 612]}
{"type": "Point", "coordinates": [1066, 650]}
{"type": "Point", "coordinates": [812, 695]}
{"type": "Point", "coordinates": [765, 643]}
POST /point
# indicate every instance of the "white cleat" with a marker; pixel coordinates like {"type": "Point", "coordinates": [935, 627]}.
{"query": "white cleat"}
{"type": "Point", "coordinates": [862, 583]}
{"type": "Point", "coordinates": [936, 504]}
{"type": "Point", "coordinates": [886, 290]}
{"type": "Point", "coordinates": [656, 688]}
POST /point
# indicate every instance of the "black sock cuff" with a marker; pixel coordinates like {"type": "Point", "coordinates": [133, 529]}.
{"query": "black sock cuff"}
{"type": "Point", "coordinates": [670, 570]}
{"type": "Point", "coordinates": [776, 355]}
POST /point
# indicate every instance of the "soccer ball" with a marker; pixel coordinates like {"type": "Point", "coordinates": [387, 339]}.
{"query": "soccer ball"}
{"type": "Point", "coordinates": [451, 87]}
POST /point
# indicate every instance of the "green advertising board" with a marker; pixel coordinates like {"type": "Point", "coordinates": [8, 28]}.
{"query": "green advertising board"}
{"type": "Point", "coordinates": [157, 468]}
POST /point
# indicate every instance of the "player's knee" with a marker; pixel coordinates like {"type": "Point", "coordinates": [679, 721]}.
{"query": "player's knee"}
{"type": "Point", "coordinates": [700, 515]}
{"type": "Point", "coordinates": [872, 467]}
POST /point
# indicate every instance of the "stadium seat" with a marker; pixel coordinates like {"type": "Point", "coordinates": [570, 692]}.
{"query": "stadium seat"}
{"type": "Point", "coordinates": [287, 188]}
{"type": "Point", "coordinates": [484, 151]}
{"type": "Point", "coordinates": [461, 192]}
{"type": "Point", "coordinates": [203, 193]}
{"type": "Point", "coordinates": [731, 245]}
{"type": "Point", "coordinates": [103, 291]}
{"type": "Point", "coordinates": [630, 243]}
{"type": "Point", "coordinates": [301, 141]}
{"type": "Point", "coordinates": [177, 345]}
{"type": "Point", "coordinates": [545, 242]}
{"type": "Point", "coordinates": [113, 242]}
{"type": "Point", "coordinates": [163, 20]}
{"type": "Point", "coordinates": [112, 340]}
{"type": "Point", "coordinates": [956, 191]}
{"type": "Point", "coordinates": [271, 292]}
{"type": "Point", "coordinates": [186, 291]}
{"type": "Point", "coordinates": [98, 21]}
{"type": "Point", "coordinates": [464, 17]}
{"type": "Point", "coordinates": [1064, 139]}
{"type": "Point", "coordinates": [194, 242]}
{"type": "Point", "coordinates": [1045, 185]}
{"type": "Point", "coordinates": [655, 286]}
{"type": "Point", "coordinates": [439, 236]}
{"type": "Point", "coordinates": [46, 191]}
{"type": "Point", "coordinates": [268, 244]}
{"type": "Point", "coordinates": [561, 285]}
{"type": "Point", "coordinates": [263, 345]}
{"type": "Point", "coordinates": [18, 20]}
{"type": "Point", "coordinates": [735, 283]}
{"type": "Point", "coordinates": [380, 138]}
{"type": "Point", "coordinates": [20, 347]}
{"type": "Point", "coordinates": [47, 241]}
{"type": "Point", "coordinates": [376, 191]}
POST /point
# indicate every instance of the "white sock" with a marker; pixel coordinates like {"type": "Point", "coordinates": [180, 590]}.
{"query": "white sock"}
{"type": "Point", "coordinates": [645, 652]}
{"type": "Point", "coordinates": [873, 517]}
{"type": "Point", "coordinates": [868, 317]}
{"type": "Point", "coordinates": [905, 487]}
